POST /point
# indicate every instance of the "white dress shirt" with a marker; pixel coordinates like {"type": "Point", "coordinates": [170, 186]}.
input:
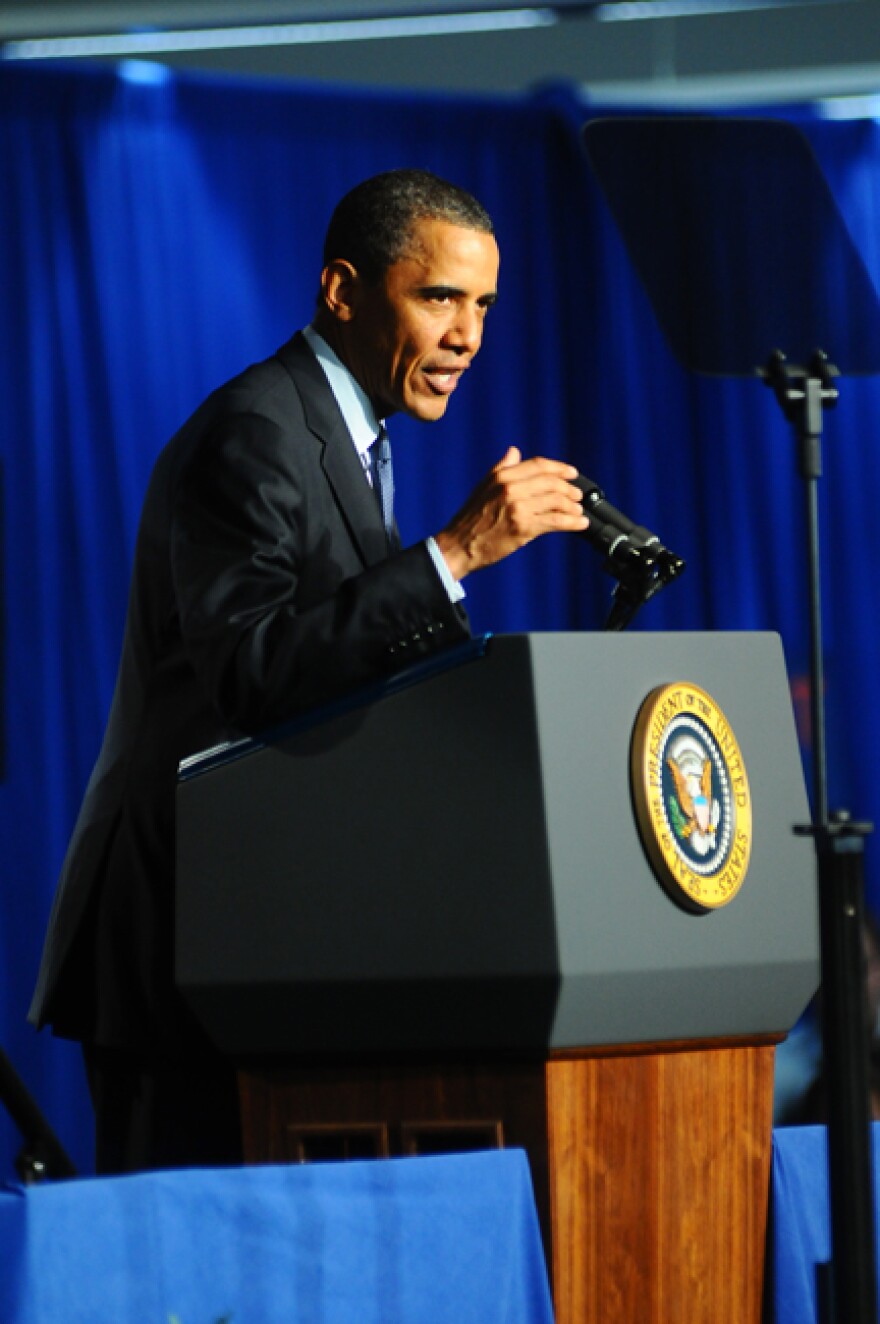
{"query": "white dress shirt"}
{"type": "Point", "coordinates": [364, 427]}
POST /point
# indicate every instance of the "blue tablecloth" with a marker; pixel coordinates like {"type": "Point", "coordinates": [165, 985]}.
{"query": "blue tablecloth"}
{"type": "Point", "coordinates": [433, 1241]}
{"type": "Point", "coordinates": [801, 1219]}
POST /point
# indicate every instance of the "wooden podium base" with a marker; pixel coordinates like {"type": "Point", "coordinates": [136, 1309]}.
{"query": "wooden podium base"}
{"type": "Point", "coordinates": [651, 1164]}
{"type": "Point", "coordinates": [660, 1164]}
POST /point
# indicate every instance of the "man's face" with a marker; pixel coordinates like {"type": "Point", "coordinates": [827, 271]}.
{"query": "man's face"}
{"type": "Point", "coordinates": [416, 330]}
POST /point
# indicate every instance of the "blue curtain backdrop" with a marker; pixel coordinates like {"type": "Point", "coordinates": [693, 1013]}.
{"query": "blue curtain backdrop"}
{"type": "Point", "coordinates": [158, 232]}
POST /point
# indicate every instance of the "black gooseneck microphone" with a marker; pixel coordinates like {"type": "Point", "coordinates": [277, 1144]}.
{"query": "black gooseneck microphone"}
{"type": "Point", "coordinates": [633, 555]}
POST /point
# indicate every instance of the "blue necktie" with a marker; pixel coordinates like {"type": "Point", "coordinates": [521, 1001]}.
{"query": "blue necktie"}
{"type": "Point", "coordinates": [383, 483]}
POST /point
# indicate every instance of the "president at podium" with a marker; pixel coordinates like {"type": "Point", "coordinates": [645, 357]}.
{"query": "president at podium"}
{"type": "Point", "coordinates": [268, 576]}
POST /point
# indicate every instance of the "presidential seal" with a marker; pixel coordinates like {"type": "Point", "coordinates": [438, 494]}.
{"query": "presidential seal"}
{"type": "Point", "coordinates": [692, 799]}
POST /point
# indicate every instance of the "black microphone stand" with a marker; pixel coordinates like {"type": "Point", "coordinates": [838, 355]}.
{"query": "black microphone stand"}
{"type": "Point", "coordinates": [803, 394]}
{"type": "Point", "coordinates": [641, 570]}
{"type": "Point", "coordinates": [640, 573]}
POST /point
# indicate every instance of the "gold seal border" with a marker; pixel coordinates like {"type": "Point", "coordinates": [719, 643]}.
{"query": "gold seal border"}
{"type": "Point", "coordinates": [696, 892]}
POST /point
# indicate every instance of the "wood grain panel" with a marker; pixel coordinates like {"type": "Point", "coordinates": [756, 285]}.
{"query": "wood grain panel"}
{"type": "Point", "coordinates": [659, 1180]}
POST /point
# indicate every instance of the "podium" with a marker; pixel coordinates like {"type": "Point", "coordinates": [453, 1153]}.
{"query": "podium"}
{"type": "Point", "coordinates": [425, 921]}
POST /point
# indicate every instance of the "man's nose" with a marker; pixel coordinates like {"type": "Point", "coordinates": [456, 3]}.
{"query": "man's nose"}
{"type": "Point", "coordinates": [466, 332]}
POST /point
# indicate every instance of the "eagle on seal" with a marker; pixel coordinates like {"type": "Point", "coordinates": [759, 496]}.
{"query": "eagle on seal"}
{"type": "Point", "coordinates": [694, 795]}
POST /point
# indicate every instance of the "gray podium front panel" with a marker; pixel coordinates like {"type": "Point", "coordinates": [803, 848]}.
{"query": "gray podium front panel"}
{"type": "Point", "coordinates": [635, 966]}
{"type": "Point", "coordinates": [458, 866]}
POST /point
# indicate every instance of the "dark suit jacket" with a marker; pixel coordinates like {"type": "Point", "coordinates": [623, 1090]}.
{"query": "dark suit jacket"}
{"type": "Point", "coordinates": [262, 584]}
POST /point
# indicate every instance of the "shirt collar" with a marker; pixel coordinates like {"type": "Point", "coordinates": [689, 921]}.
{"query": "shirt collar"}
{"type": "Point", "coordinates": [354, 405]}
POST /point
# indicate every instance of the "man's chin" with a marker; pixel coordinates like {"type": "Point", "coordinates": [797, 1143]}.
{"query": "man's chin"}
{"type": "Point", "coordinates": [428, 409]}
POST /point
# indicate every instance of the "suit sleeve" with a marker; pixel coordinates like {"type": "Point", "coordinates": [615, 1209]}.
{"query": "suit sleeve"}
{"type": "Point", "coordinates": [276, 610]}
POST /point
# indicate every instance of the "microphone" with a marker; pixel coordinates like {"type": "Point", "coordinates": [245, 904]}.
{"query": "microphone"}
{"type": "Point", "coordinates": [631, 550]}
{"type": "Point", "coordinates": [607, 524]}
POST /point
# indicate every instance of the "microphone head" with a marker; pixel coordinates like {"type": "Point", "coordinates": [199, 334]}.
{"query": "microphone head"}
{"type": "Point", "coordinates": [592, 491]}
{"type": "Point", "coordinates": [599, 508]}
{"type": "Point", "coordinates": [631, 550]}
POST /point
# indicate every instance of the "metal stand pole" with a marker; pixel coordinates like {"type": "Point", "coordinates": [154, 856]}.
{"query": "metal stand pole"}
{"type": "Point", "coordinates": [845, 1049]}
{"type": "Point", "coordinates": [803, 394]}
{"type": "Point", "coordinates": [42, 1154]}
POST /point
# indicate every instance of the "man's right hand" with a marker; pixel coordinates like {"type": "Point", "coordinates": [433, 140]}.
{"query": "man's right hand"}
{"type": "Point", "coordinates": [516, 502]}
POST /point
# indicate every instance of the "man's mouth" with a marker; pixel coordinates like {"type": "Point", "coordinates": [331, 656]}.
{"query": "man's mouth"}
{"type": "Point", "coordinates": [442, 381]}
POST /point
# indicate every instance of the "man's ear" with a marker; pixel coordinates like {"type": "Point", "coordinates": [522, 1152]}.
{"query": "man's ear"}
{"type": "Point", "coordinates": [340, 289]}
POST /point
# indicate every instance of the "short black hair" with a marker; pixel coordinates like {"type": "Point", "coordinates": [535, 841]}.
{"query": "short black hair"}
{"type": "Point", "coordinates": [371, 225]}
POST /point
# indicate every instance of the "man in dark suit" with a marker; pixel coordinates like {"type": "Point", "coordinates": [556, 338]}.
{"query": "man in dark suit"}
{"type": "Point", "coordinates": [265, 580]}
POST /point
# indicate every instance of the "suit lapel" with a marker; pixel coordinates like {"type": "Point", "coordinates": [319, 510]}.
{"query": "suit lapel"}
{"type": "Point", "coordinates": [339, 459]}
